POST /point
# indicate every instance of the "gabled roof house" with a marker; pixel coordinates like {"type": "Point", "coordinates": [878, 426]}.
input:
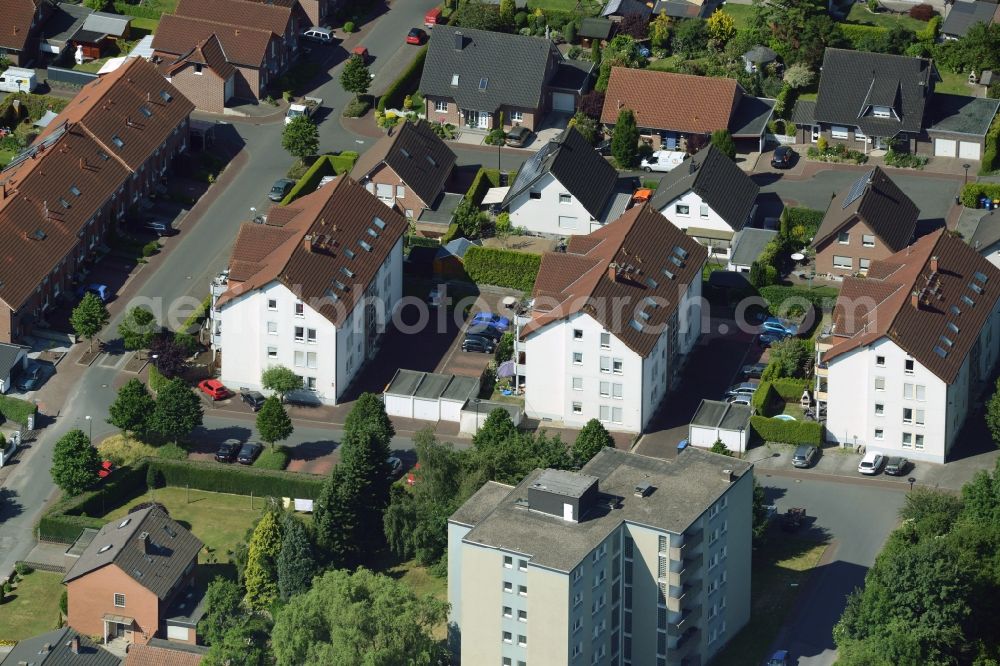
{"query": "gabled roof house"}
{"type": "Point", "coordinates": [20, 29]}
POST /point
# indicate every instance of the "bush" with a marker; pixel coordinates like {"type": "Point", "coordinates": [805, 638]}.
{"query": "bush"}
{"type": "Point", "coordinates": [451, 234]}
{"type": "Point", "coordinates": [308, 182]}
{"type": "Point", "coordinates": [16, 410]}
{"type": "Point", "coordinates": [357, 108]}
{"type": "Point", "coordinates": [484, 180]}
{"type": "Point", "coordinates": [238, 479]}
{"type": "Point", "coordinates": [992, 147]}
{"type": "Point", "coordinates": [156, 380]}
{"type": "Point", "coordinates": [804, 222]}
{"type": "Point", "coordinates": [787, 432]}
{"type": "Point", "coordinates": [22, 569]}
{"type": "Point", "coordinates": [972, 191]}
{"type": "Point", "coordinates": [777, 295]}
{"type": "Point", "coordinates": [836, 153]}
{"type": "Point", "coordinates": [922, 12]}
{"type": "Point", "coordinates": [905, 160]}
{"type": "Point", "coordinates": [273, 458]}
{"type": "Point", "coordinates": [503, 268]}
{"type": "Point", "coordinates": [125, 452]}
{"type": "Point", "coordinates": [785, 102]}
{"type": "Point", "coordinates": [405, 83]}
{"type": "Point", "coordinates": [349, 27]}
{"type": "Point", "coordinates": [171, 451]}
{"type": "Point", "coordinates": [150, 248]}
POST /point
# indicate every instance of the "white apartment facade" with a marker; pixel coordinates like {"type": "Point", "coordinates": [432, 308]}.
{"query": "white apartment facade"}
{"type": "Point", "coordinates": [548, 580]}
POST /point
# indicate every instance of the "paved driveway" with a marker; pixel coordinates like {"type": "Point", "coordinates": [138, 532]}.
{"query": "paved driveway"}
{"type": "Point", "coordinates": [857, 518]}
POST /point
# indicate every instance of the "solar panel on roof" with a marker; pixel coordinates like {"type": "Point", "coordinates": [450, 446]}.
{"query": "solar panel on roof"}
{"type": "Point", "coordinates": [858, 188]}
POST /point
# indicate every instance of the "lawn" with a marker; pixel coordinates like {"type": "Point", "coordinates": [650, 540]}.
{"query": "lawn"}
{"type": "Point", "coordinates": [32, 608]}
{"type": "Point", "coordinates": [860, 14]}
{"type": "Point", "coordinates": [567, 6]}
{"type": "Point", "coordinates": [91, 66]}
{"type": "Point", "coordinates": [220, 521]}
{"type": "Point", "coordinates": [955, 84]}
{"type": "Point", "coordinates": [5, 157]}
{"type": "Point", "coordinates": [740, 13]}
{"type": "Point", "coordinates": [143, 26]}
{"type": "Point", "coordinates": [781, 566]}
{"type": "Point", "coordinates": [421, 582]}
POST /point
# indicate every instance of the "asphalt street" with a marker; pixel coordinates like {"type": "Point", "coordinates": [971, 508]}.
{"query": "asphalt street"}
{"type": "Point", "coordinates": [857, 519]}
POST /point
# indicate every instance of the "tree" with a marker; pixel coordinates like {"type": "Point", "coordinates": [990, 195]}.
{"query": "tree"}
{"type": "Point", "coordinates": [138, 328]}
{"type": "Point", "coordinates": [469, 218]}
{"type": "Point", "coordinates": [222, 610]}
{"type": "Point", "coordinates": [789, 358]}
{"type": "Point", "coordinates": [132, 408]}
{"type": "Point", "coordinates": [758, 275]}
{"type": "Point", "coordinates": [335, 518]}
{"type": "Point", "coordinates": [591, 439]}
{"type": "Point", "coordinates": [75, 462]}
{"type": "Point", "coordinates": [718, 446]}
{"type": "Point", "coordinates": [96, 5]}
{"type": "Point", "coordinates": [296, 563]}
{"type": "Point", "coordinates": [798, 76]}
{"type": "Point", "coordinates": [273, 423]}
{"type": "Point", "coordinates": [689, 38]}
{"type": "Point", "coordinates": [591, 105]}
{"type": "Point", "coordinates": [759, 511]}
{"type": "Point", "coordinates": [368, 413]}
{"type": "Point", "coordinates": [595, 52]}
{"type": "Point", "coordinates": [246, 644]}
{"type": "Point", "coordinates": [364, 455]}
{"type": "Point", "coordinates": [634, 25]}
{"type": "Point", "coordinates": [89, 317]}
{"type": "Point", "coordinates": [625, 140]}
{"type": "Point", "coordinates": [993, 414]}
{"type": "Point", "coordinates": [503, 228]}
{"type": "Point", "coordinates": [355, 78]}
{"type": "Point", "coordinates": [167, 356]}
{"type": "Point", "coordinates": [585, 125]}
{"type": "Point", "coordinates": [797, 30]}
{"type": "Point", "coordinates": [721, 26]}
{"type": "Point", "coordinates": [358, 618]}
{"type": "Point", "coordinates": [723, 140]}
{"type": "Point", "coordinates": [659, 31]}
{"type": "Point", "coordinates": [507, 10]}
{"type": "Point", "coordinates": [281, 380]}
{"type": "Point", "coordinates": [480, 16]}
{"type": "Point", "coordinates": [178, 411]}
{"type": "Point", "coordinates": [300, 137]}
{"type": "Point", "coordinates": [261, 574]}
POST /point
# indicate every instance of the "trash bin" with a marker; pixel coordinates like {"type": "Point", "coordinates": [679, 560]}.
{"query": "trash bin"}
{"type": "Point", "coordinates": [981, 202]}
{"type": "Point", "coordinates": [683, 445]}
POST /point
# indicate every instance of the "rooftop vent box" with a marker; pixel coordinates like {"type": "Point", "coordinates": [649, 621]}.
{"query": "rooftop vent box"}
{"type": "Point", "coordinates": [643, 489]}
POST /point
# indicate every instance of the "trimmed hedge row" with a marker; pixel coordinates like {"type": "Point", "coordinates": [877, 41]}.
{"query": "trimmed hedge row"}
{"type": "Point", "coordinates": [70, 516]}
{"type": "Point", "coordinates": [309, 180]}
{"type": "Point", "coordinates": [789, 388]}
{"type": "Point", "coordinates": [764, 399]}
{"type": "Point", "coordinates": [136, 10]}
{"type": "Point", "coordinates": [452, 233]}
{"type": "Point", "coordinates": [777, 295]}
{"type": "Point", "coordinates": [787, 432]}
{"type": "Point", "coordinates": [503, 268]}
{"type": "Point", "coordinates": [404, 84]}
{"type": "Point", "coordinates": [344, 162]}
{"type": "Point", "coordinates": [991, 148]}
{"type": "Point", "coordinates": [16, 410]}
{"type": "Point", "coordinates": [858, 34]}
{"type": "Point", "coordinates": [484, 180]}
{"type": "Point", "coordinates": [972, 191]}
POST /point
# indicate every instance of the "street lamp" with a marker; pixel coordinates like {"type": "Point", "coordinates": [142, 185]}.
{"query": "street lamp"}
{"type": "Point", "coordinates": [476, 400]}
{"type": "Point", "coordinates": [966, 167]}
{"type": "Point", "coordinates": [741, 443]}
{"type": "Point", "coordinates": [90, 428]}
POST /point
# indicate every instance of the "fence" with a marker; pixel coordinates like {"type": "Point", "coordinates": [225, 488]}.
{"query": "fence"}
{"type": "Point", "coordinates": [69, 76]}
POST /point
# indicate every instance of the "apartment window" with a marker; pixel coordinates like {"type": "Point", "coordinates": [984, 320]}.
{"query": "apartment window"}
{"type": "Point", "coordinates": [845, 263]}
{"type": "Point", "coordinates": [604, 413]}
{"type": "Point", "coordinates": [310, 383]}
{"type": "Point", "coordinates": [918, 442]}
{"type": "Point", "coordinates": [880, 361]}
{"type": "Point", "coordinates": [565, 198]}
{"type": "Point", "coordinates": [578, 383]}
{"type": "Point", "coordinates": [908, 391]}
{"type": "Point", "coordinates": [300, 334]}
{"type": "Point", "coordinates": [605, 364]}
{"type": "Point", "coordinates": [577, 334]}
{"type": "Point", "coordinates": [508, 637]}
{"type": "Point", "coordinates": [880, 383]}
{"type": "Point", "coordinates": [516, 116]}
{"type": "Point", "coordinates": [907, 440]}
{"type": "Point", "coordinates": [522, 590]}
{"type": "Point", "coordinates": [908, 366]}
{"type": "Point", "coordinates": [577, 358]}
{"type": "Point", "coordinates": [577, 575]}
{"type": "Point", "coordinates": [441, 106]}
{"type": "Point", "coordinates": [844, 238]}
{"type": "Point", "coordinates": [868, 240]}
{"type": "Point", "coordinates": [522, 640]}
{"type": "Point", "coordinates": [682, 209]}
{"type": "Point", "coordinates": [919, 417]}
{"type": "Point", "coordinates": [578, 408]}
{"type": "Point", "coordinates": [616, 414]}
{"type": "Point", "coordinates": [616, 366]}
{"type": "Point", "coordinates": [119, 600]}
{"type": "Point", "coordinates": [522, 616]}
{"type": "Point", "coordinates": [272, 304]}
{"type": "Point", "coordinates": [400, 191]}
{"type": "Point", "coordinates": [864, 264]}
{"type": "Point", "coordinates": [311, 335]}
{"type": "Point", "coordinates": [272, 328]}
{"type": "Point", "coordinates": [506, 661]}
{"type": "Point", "coordinates": [300, 359]}
{"type": "Point", "coordinates": [300, 310]}
{"type": "Point", "coordinates": [605, 341]}
{"type": "Point", "coordinates": [605, 389]}
{"type": "Point", "coordinates": [577, 600]}
{"type": "Point", "coordinates": [272, 352]}
{"type": "Point", "coordinates": [879, 434]}
{"type": "Point", "coordinates": [616, 391]}
{"type": "Point", "coordinates": [508, 562]}
{"type": "Point", "coordinates": [508, 586]}
{"type": "Point", "coordinates": [907, 415]}
{"type": "Point", "coordinates": [879, 409]}
{"type": "Point", "coordinates": [921, 392]}
{"type": "Point", "coordinates": [838, 131]}
{"type": "Point", "coordinates": [508, 611]}
{"type": "Point", "coordinates": [703, 211]}
{"type": "Point", "coordinates": [522, 565]}
{"type": "Point", "coordinates": [577, 649]}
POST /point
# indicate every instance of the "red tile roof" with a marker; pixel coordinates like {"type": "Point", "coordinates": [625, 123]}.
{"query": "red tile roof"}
{"type": "Point", "coordinates": [16, 23]}
{"type": "Point", "coordinates": [327, 253]}
{"type": "Point", "coordinates": [254, 15]}
{"type": "Point", "coordinates": [208, 52]}
{"type": "Point", "coordinates": [159, 655]}
{"type": "Point", "coordinates": [654, 264]}
{"type": "Point", "coordinates": [954, 300]}
{"type": "Point", "coordinates": [667, 101]}
{"type": "Point", "coordinates": [242, 46]}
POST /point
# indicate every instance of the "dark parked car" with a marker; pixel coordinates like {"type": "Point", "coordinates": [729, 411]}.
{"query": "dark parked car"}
{"type": "Point", "coordinates": [159, 227]}
{"type": "Point", "coordinates": [478, 343]}
{"type": "Point", "coordinates": [518, 136]}
{"type": "Point", "coordinates": [280, 188]}
{"type": "Point", "coordinates": [31, 378]}
{"type": "Point", "coordinates": [783, 157]}
{"type": "Point", "coordinates": [805, 456]}
{"type": "Point", "coordinates": [395, 467]}
{"type": "Point", "coordinates": [99, 290]}
{"type": "Point", "coordinates": [228, 450]}
{"type": "Point", "coordinates": [248, 453]}
{"type": "Point", "coordinates": [254, 399]}
{"type": "Point", "coordinates": [896, 466]}
{"type": "Point", "coordinates": [604, 148]}
{"type": "Point", "coordinates": [753, 371]}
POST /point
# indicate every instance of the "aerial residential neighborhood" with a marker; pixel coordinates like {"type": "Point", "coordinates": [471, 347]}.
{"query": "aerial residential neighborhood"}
{"type": "Point", "coordinates": [518, 332]}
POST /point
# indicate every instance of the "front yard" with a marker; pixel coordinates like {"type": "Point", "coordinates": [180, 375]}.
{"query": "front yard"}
{"type": "Point", "coordinates": [32, 608]}
{"type": "Point", "coordinates": [859, 14]}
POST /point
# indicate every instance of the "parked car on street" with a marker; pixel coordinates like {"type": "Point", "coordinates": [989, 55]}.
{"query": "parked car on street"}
{"type": "Point", "coordinates": [158, 226]}
{"type": "Point", "coordinates": [319, 35]}
{"type": "Point", "coordinates": [779, 326]}
{"type": "Point", "coordinates": [779, 658]}
{"type": "Point", "coordinates": [395, 467]}
{"type": "Point", "coordinates": [99, 290]}
{"type": "Point", "coordinates": [663, 160]}
{"type": "Point", "coordinates": [228, 451]}
{"type": "Point", "coordinates": [753, 371]}
{"type": "Point", "coordinates": [280, 188]}
{"type": "Point", "coordinates": [490, 319]}
{"type": "Point", "coordinates": [805, 456]}
{"type": "Point", "coordinates": [31, 378]}
{"type": "Point", "coordinates": [896, 465]}
{"type": "Point", "coordinates": [743, 388]}
{"type": "Point", "coordinates": [248, 453]}
{"type": "Point", "coordinates": [740, 399]}
{"type": "Point", "coordinates": [416, 36]}
{"type": "Point", "coordinates": [478, 343]}
{"type": "Point", "coordinates": [783, 157]}
{"type": "Point", "coordinates": [518, 137]}
{"type": "Point", "coordinates": [872, 463]}
{"type": "Point", "coordinates": [255, 399]}
{"type": "Point", "coordinates": [214, 389]}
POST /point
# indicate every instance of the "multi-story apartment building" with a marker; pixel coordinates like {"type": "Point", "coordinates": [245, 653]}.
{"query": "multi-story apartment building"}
{"type": "Point", "coordinates": [313, 290]}
{"type": "Point", "coordinates": [630, 561]}
{"type": "Point", "coordinates": [911, 349]}
{"type": "Point", "coordinates": [612, 320]}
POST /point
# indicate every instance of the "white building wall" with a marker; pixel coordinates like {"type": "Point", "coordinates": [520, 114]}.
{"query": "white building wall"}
{"type": "Point", "coordinates": [542, 215]}
{"type": "Point", "coordinates": [694, 218]}
{"type": "Point", "coordinates": [689, 316]}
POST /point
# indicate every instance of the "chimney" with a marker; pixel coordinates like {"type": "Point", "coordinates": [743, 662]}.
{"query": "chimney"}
{"type": "Point", "coordinates": [74, 645]}
{"type": "Point", "coordinates": [613, 271]}
{"type": "Point", "coordinates": [459, 41]}
{"type": "Point", "coordinates": [143, 542]}
{"type": "Point", "coordinates": [915, 299]}
{"type": "Point", "coordinates": [934, 264]}
{"type": "Point", "coordinates": [728, 475]}
{"type": "Point", "coordinates": [307, 243]}
{"type": "Point", "coordinates": [46, 648]}
{"type": "Point", "coordinates": [83, 163]}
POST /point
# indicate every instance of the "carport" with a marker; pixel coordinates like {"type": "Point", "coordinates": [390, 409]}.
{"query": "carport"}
{"type": "Point", "coordinates": [717, 420]}
{"type": "Point", "coordinates": [474, 414]}
{"type": "Point", "coordinates": [428, 396]}
{"type": "Point", "coordinates": [958, 125]}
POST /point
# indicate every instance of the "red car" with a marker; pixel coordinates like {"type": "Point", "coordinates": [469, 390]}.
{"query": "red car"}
{"type": "Point", "coordinates": [214, 389]}
{"type": "Point", "coordinates": [416, 36]}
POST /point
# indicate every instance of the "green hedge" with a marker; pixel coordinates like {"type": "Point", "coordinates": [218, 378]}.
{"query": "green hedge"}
{"type": "Point", "coordinates": [807, 218]}
{"type": "Point", "coordinates": [16, 410]}
{"type": "Point", "coordinates": [503, 268]}
{"type": "Point", "coordinates": [69, 517]}
{"type": "Point", "coordinates": [972, 191]}
{"type": "Point", "coordinates": [344, 162]}
{"type": "Point", "coordinates": [990, 162]}
{"type": "Point", "coordinates": [139, 11]}
{"type": "Point", "coordinates": [765, 399]}
{"type": "Point", "coordinates": [788, 432]}
{"type": "Point", "coordinates": [823, 298]}
{"type": "Point", "coordinates": [272, 458]}
{"type": "Point", "coordinates": [484, 180]}
{"type": "Point", "coordinates": [452, 233]}
{"type": "Point", "coordinates": [858, 35]}
{"type": "Point", "coordinates": [156, 380]}
{"type": "Point", "coordinates": [790, 389]}
{"type": "Point", "coordinates": [310, 179]}
{"type": "Point", "coordinates": [405, 84]}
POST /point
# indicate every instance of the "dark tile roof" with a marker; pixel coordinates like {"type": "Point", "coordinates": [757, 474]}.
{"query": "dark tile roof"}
{"type": "Point", "coordinates": [961, 114]}
{"type": "Point", "coordinates": [851, 82]}
{"type": "Point", "coordinates": [751, 116]}
{"type": "Point", "coordinates": [654, 260]}
{"type": "Point", "coordinates": [170, 549]}
{"type": "Point", "coordinates": [419, 157]}
{"type": "Point", "coordinates": [723, 415]}
{"type": "Point", "coordinates": [572, 75]}
{"type": "Point", "coordinates": [595, 28]}
{"type": "Point", "coordinates": [804, 112]}
{"type": "Point", "coordinates": [243, 46]}
{"type": "Point", "coordinates": [954, 303]}
{"type": "Point", "coordinates": [877, 200]}
{"type": "Point", "coordinates": [53, 649]}
{"type": "Point", "coordinates": [748, 243]}
{"type": "Point", "coordinates": [963, 15]}
{"type": "Point", "coordinates": [9, 356]}
{"type": "Point", "coordinates": [715, 178]}
{"type": "Point", "coordinates": [493, 68]}
{"type": "Point", "coordinates": [64, 22]}
{"type": "Point", "coordinates": [349, 234]}
{"type": "Point", "coordinates": [625, 7]}
{"type": "Point", "coordinates": [576, 165]}
{"type": "Point", "coordinates": [17, 18]}
{"type": "Point", "coordinates": [683, 8]}
{"type": "Point", "coordinates": [669, 101]}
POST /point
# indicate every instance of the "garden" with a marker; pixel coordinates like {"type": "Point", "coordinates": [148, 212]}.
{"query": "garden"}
{"type": "Point", "coordinates": [30, 604]}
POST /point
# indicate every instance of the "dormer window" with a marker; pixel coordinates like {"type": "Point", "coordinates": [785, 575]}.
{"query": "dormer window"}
{"type": "Point", "coordinates": [881, 111]}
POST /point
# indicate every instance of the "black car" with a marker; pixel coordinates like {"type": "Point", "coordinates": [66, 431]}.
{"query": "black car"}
{"type": "Point", "coordinates": [604, 148]}
{"type": "Point", "coordinates": [248, 453]}
{"type": "Point", "coordinates": [280, 188]}
{"type": "Point", "coordinates": [518, 136]}
{"type": "Point", "coordinates": [31, 378]}
{"type": "Point", "coordinates": [896, 466]}
{"type": "Point", "coordinates": [783, 157]}
{"type": "Point", "coordinates": [228, 451]}
{"type": "Point", "coordinates": [753, 371]}
{"type": "Point", "coordinates": [805, 456]}
{"type": "Point", "coordinates": [478, 343]}
{"type": "Point", "coordinates": [482, 330]}
{"type": "Point", "coordinates": [254, 399]}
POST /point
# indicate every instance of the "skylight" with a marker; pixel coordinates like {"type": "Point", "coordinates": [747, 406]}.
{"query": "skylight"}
{"type": "Point", "coordinates": [940, 352]}
{"type": "Point", "coordinates": [169, 531]}
{"type": "Point", "coordinates": [670, 276]}
{"type": "Point", "coordinates": [74, 190]}
{"type": "Point", "coordinates": [651, 283]}
{"type": "Point", "coordinates": [954, 310]}
{"type": "Point", "coordinates": [379, 222]}
{"type": "Point", "coordinates": [365, 246]}
{"type": "Point", "coordinates": [331, 295]}
{"type": "Point", "coordinates": [117, 140]}
{"type": "Point", "coordinates": [144, 110]}
{"type": "Point", "coordinates": [405, 153]}
{"type": "Point", "coordinates": [976, 288]}
{"type": "Point", "coordinates": [165, 96]}
{"type": "Point", "coordinates": [953, 327]}
{"type": "Point", "coordinates": [431, 160]}
{"type": "Point", "coordinates": [372, 233]}
{"type": "Point", "coordinates": [644, 315]}
{"type": "Point", "coordinates": [651, 302]}
{"type": "Point", "coordinates": [349, 252]}
{"type": "Point", "coordinates": [979, 277]}
{"type": "Point", "coordinates": [124, 523]}
{"type": "Point", "coordinates": [968, 301]}
{"type": "Point", "coordinates": [483, 83]}
{"type": "Point", "coordinates": [347, 271]}
{"type": "Point", "coordinates": [340, 285]}
{"type": "Point", "coordinates": [38, 234]}
{"type": "Point", "coordinates": [104, 549]}
{"type": "Point", "coordinates": [677, 261]}
{"type": "Point", "coordinates": [946, 341]}
{"type": "Point", "coordinates": [454, 79]}
{"type": "Point", "coordinates": [680, 252]}
{"type": "Point", "coordinates": [63, 202]}
{"type": "Point", "coordinates": [636, 325]}
{"type": "Point", "coordinates": [103, 155]}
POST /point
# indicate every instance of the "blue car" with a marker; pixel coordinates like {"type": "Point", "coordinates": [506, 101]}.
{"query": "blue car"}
{"type": "Point", "coordinates": [99, 290]}
{"type": "Point", "coordinates": [767, 339]}
{"type": "Point", "coordinates": [490, 319]}
{"type": "Point", "coordinates": [775, 325]}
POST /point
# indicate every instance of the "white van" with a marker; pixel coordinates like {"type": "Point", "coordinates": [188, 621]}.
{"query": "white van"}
{"type": "Point", "coordinates": [321, 35]}
{"type": "Point", "coordinates": [18, 79]}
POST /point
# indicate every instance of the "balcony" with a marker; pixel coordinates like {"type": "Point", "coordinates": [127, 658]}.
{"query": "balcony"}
{"type": "Point", "coordinates": [688, 642]}
{"type": "Point", "coordinates": [691, 540]}
{"type": "Point", "coordinates": [681, 596]}
{"type": "Point", "coordinates": [822, 370]}
{"type": "Point", "coordinates": [688, 621]}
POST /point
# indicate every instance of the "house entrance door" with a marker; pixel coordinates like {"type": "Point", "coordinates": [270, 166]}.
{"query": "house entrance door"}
{"type": "Point", "coordinates": [484, 120]}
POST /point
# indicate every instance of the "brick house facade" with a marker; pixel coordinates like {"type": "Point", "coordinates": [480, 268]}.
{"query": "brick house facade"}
{"type": "Point", "coordinates": [22, 23]}
{"type": "Point", "coordinates": [512, 116]}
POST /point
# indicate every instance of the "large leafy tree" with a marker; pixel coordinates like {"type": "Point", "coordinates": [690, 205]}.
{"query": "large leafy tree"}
{"type": "Point", "coordinates": [132, 408]}
{"type": "Point", "coordinates": [273, 423]}
{"type": "Point", "coordinates": [993, 414]}
{"type": "Point", "coordinates": [625, 140]}
{"type": "Point", "coordinates": [223, 611]}
{"type": "Point", "coordinates": [75, 462]}
{"type": "Point", "coordinates": [167, 356]}
{"type": "Point", "coordinates": [137, 328]}
{"type": "Point", "coordinates": [89, 317]}
{"type": "Point", "coordinates": [261, 574]}
{"type": "Point", "coordinates": [358, 618]}
{"type": "Point", "coordinates": [246, 644]}
{"type": "Point", "coordinates": [281, 380]}
{"type": "Point", "coordinates": [590, 440]}
{"type": "Point", "coordinates": [300, 137]}
{"type": "Point", "coordinates": [798, 30]}
{"type": "Point", "coordinates": [178, 411]}
{"type": "Point", "coordinates": [296, 562]}
{"type": "Point", "coordinates": [355, 77]}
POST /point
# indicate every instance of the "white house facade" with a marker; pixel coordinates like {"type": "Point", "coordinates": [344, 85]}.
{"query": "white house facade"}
{"type": "Point", "coordinates": [693, 214]}
{"type": "Point", "coordinates": [549, 208]}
